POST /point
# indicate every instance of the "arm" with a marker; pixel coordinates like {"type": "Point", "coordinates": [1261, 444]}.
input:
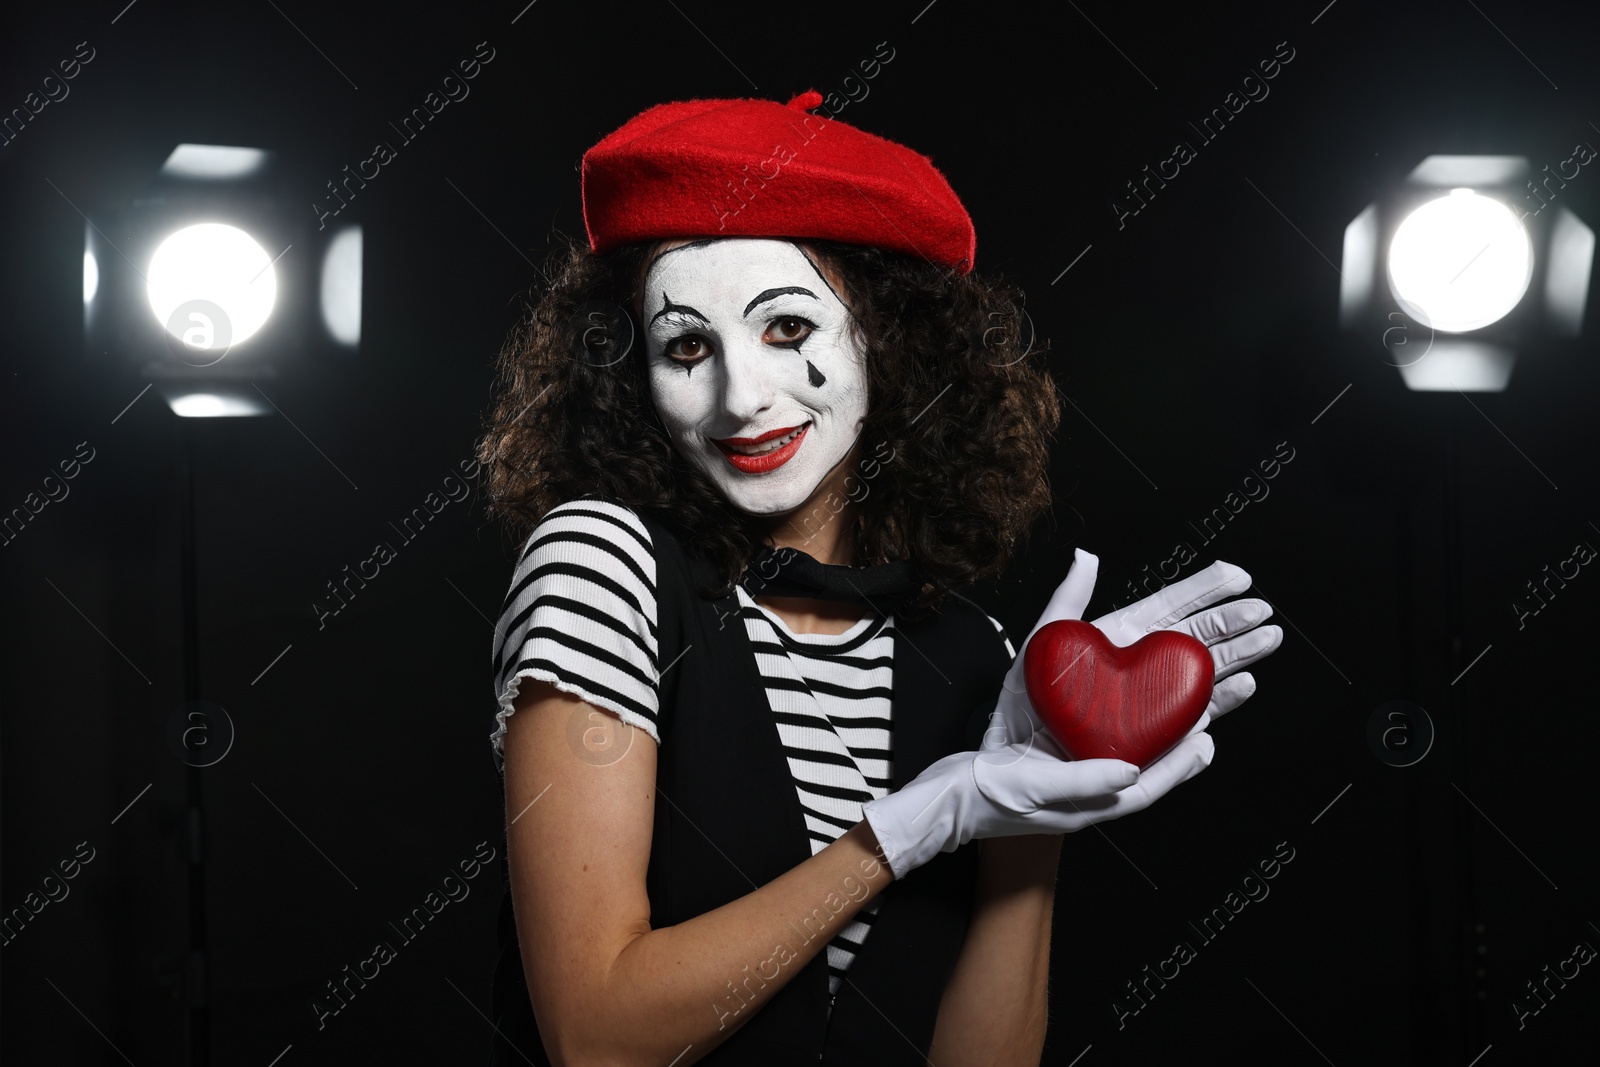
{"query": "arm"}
{"type": "Point", "coordinates": [995, 1007]}
{"type": "Point", "coordinates": [605, 986]}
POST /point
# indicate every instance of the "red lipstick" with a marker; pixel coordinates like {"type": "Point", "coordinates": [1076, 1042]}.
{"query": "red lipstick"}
{"type": "Point", "coordinates": [767, 461]}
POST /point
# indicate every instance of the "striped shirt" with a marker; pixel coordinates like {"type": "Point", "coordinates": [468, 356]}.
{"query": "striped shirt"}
{"type": "Point", "coordinates": [581, 614]}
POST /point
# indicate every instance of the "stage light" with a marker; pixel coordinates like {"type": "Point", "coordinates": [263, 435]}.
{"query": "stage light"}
{"type": "Point", "coordinates": [1476, 270]}
{"type": "Point", "coordinates": [203, 269]}
{"type": "Point", "coordinates": [214, 277]}
{"type": "Point", "coordinates": [1460, 262]}
{"type": "Point", "coordinates": [207, 280]}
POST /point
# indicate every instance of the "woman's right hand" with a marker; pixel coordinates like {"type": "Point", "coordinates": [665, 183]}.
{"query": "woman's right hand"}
{"type": "Point", "coordinates": [1020, 788]}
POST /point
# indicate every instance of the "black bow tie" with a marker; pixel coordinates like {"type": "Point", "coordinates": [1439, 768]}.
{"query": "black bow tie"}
{"type": "Point", "coordinates": [791, 572]}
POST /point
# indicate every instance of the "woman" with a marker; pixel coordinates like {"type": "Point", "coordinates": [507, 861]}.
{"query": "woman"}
{"type": "Point", "coordinates": [761, 429]}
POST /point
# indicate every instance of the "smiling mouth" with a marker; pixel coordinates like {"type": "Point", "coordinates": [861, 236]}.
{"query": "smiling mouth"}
{"type": "Point", "coordinates": [757, 455]}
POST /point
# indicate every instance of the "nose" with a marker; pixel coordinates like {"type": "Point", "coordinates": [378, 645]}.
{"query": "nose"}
{"type": "Point", "coordinates": [747, 383]}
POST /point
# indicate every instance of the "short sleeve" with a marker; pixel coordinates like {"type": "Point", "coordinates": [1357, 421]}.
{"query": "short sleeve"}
{"type": "Point", "coordinates": [581, 614]}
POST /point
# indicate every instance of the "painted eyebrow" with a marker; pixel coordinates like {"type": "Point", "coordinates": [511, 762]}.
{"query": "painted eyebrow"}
{"type": "Point", "coordinates": [773, 294]}
{"type": "Point", "coordinates": [667, 307]}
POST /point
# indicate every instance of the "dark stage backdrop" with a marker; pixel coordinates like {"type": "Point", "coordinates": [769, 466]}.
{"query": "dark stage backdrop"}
{"type": "Point", "coordinates": [1193, 340]}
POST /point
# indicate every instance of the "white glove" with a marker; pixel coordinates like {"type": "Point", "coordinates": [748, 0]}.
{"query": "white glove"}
{"type": "Point", "coordinates": [1229, 631]}
{"type": "Point", "coordinates": [1017, 789]}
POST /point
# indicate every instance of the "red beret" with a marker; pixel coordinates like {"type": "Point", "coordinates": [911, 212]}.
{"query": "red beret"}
{"type": "Point", "coordinates": [758, 168]}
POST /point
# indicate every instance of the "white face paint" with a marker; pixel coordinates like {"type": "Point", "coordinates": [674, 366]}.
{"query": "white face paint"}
{"type": "Point", "coordinates": [747, 340]}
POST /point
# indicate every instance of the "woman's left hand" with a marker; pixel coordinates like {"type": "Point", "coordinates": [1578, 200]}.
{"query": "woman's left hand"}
{"type": "Point", "coordinates": [1232, 631]}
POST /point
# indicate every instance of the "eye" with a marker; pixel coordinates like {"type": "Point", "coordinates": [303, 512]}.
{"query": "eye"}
{"type": "Point", "coordinates": [788, 331]}
{"type": "Point", "coordinates": [690, 348]}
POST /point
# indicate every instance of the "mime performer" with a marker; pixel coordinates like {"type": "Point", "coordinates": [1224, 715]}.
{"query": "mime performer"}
{"type": "Point", "coordinates": [775, 791]}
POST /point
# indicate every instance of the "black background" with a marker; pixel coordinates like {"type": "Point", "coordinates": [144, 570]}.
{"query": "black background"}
{"type": "Point", "coordinates": [1191, 342]}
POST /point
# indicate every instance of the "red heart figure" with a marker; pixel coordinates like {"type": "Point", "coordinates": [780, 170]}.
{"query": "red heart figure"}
{"type": "Point", "coordinates": [1130, 703]}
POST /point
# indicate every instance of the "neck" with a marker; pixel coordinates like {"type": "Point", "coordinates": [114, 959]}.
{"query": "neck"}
{"type": "Point", "coordinates": [825, 535]}
{"type": "Point", "coordinates": [824, 526]}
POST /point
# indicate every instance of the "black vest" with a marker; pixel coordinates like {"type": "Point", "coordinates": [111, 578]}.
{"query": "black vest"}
{"type": "Point", "coordinates": [728, 820]}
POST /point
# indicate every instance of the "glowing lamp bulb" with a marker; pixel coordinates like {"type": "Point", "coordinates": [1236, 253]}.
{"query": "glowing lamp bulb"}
{"type": "Point", "coordinates": [1460, 262]}
{"type": "Point", "coordinates": [211, 285]}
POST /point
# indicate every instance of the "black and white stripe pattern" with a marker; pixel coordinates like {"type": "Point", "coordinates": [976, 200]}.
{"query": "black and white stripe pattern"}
{"type": "Point", "coordinates": [581, 614]}
{"type": "Point", "coordinates": [831, 698]}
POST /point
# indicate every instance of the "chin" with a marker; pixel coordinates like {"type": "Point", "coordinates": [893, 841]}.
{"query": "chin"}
{"type": "Point", "coordinates": [766, 502]}
{"type": "Point", "coordinates": [763, 508]}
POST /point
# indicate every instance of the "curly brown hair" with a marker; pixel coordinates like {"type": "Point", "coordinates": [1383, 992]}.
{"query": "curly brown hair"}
{"type": "Point", "coordinates": [957, 390]}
